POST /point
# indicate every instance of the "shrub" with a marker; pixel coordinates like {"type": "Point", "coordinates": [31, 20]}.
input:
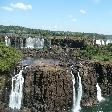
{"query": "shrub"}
{"type": "Point", "coordinates": [8, 57]}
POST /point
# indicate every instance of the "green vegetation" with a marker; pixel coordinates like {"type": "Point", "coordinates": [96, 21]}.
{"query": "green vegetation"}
{"type": "Point", "coordinates": [8, 57]}
{"type": "Point", "coordinates": [102, 57]}
{"type": "Point", "coordinates": [19, 30]}
{"type": "Point", "coordinates": [96, 53]}
{"type": "Point", "coordinates": [89, 51]}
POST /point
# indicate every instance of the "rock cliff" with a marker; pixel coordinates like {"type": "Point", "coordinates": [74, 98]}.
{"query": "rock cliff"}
{"type": "Point", "coordinates": [48, 88]}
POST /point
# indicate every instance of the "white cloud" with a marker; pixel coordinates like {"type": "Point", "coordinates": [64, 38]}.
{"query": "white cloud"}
{"type": "Point", "coordinates": [7, 8]}
{"type": "Point", "coordinates": [21, 6]}
{"type": "Point", "coordinates": [83, 11]}
{"type": "Point", "coordinates": [74, 19]}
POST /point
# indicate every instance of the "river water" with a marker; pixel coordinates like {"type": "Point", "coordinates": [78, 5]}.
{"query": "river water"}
{"type": "Point", "coordinates": [104, 106]}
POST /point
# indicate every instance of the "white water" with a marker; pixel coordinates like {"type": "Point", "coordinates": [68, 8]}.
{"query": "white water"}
{"type": "Point", "coordinates": [76, 101]}
{"type": "Point", "coordinates": [99, 95]}
{"type": "Point", "coordinates": [7, 41]}
{"type": "Point", "coordinates": [16, 91]}
{"type": "Point", "coordinates": [30, 42]}
{"type": "Point", "coordinates": [39, 43]}
{"type": "Point", "coordinates": [34, 43]}
{"type": "Point", "coordinates": [73, 80]}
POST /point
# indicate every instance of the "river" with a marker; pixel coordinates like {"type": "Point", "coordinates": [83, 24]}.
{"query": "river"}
{"type": "Point", "coordinates": [104, 106]}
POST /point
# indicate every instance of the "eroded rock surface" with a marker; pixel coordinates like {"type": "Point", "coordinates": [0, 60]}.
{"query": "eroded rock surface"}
{"type": "Point", "coordinates": [48, 88]}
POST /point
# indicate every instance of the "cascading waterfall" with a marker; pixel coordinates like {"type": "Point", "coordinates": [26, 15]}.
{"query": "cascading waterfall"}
{"type": "Point", "coordinates": [30, 42]}
{"type": "Point", "coordinates": [16, 91]}
{"type": "Point", "coordinates": [34, 43]}
{"type": "Point", "coordinates": [39, 43]}
{"type": "Point", "coordinates": [76, 101]}
{"type": "Point", "coordinates": [73, 80]}
{"type": "Point", "coordinates": [7, 41]}
{"type": "Point", "coordinates": [99, 95]}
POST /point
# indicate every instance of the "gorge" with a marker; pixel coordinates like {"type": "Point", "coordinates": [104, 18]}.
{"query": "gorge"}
{"type": "Point", "coordinates": [52, 76]}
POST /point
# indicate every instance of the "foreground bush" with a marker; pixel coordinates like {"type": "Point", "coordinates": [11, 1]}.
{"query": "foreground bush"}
{"type": "Point", "coordinates": [8, 57]}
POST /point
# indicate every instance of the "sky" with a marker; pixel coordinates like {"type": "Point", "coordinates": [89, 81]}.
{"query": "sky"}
{"type": "Point", "coordinates": [93, 16]}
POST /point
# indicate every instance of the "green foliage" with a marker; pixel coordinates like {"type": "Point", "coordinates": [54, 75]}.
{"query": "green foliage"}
{"type": "Point", "coordinates": [99, 53]}
{"type": "Point", "coordinates": [22, 30]}
{"type": "Point", "coordinates": [102, 58]}
{"type": "Point", "coordinates": [8, 57]}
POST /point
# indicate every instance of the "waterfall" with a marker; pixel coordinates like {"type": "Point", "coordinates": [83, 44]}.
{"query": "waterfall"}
{"type": "Point", "coordinates": [76, 101]}
{"type": "Point", "coordinates": [99, 95]}
{"type": "Point", "coordinates": [39, 43]}
{"type": "Point", "coordinates": [73, 80]}
{"type": "Point", "coordinates": [30, 42]}
{"type": "Point", "coordinates": [34, 43]}
{"type": "Point", "coordinates": [7, 41]}
{"type": "Point", "coordinates": [16, 91]}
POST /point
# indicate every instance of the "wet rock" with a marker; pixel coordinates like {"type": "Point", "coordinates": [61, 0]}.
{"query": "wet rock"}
{"type": "Point", "coordinates": [104, 77]}
{"type": "Point", "coordinates": [89, 81]}
{"type": "Point", "coordinates": [48, 88]}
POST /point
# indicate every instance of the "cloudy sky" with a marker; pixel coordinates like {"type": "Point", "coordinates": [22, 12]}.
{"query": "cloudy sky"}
{"type": "Point", "coordinates": [66, 15]}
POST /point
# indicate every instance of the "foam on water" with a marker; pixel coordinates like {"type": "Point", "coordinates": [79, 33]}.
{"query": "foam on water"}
{"type": "Point", "coordinates": [76, 100]}
{"type": "Point", "coordinates": [99, 95]}
{"type": "Point", "coordinates": [16, 91]}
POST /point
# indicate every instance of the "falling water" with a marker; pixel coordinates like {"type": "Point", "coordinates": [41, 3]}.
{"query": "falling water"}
{"type": "Point", "coordinates": [73, 80]}
{"type": "Point", "coordinates": [7, 41]}
{"type": "Point", "coordinates": [30, 42]}
{"type": "Point", "coordinates": [34, 43]}
{"type": "Point", "coordinates": [76, 102]}
{"type": "Point", "coordinates": [39, 43]}
{"type": "Point", "coordinates": [99, 95]}
{"type": "Point", "coordinates": [16, 92]}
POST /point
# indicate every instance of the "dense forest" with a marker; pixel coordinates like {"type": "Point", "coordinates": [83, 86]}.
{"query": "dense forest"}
{"type": "Point", "coordinates": [19, 30]}
{"type": "Point", "coordinates": [85, 50]}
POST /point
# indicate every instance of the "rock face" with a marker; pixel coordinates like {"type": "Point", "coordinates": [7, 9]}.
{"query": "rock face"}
{"type": "Point", "coordinates": [5, 86]}
{"type": "Point", "coordinates": [104, 77]}
{"type": "Point", "coordinates": [89, 81]}
{"type": "Point", "coordinates": [72, 43]}
{"type": "Point", "coordinates": [93, 73]}
{"type": "Point", "coordinates": [47, 88]}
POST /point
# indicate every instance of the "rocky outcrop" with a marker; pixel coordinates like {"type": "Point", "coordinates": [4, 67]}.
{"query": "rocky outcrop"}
{"type": "Point", "coordinates": [71, 43]}
{"type": "Point", "coordinates": [104, 77]}
{"type": "Point", "coordinates": [89, 81]}
{"type": "Point", "coordinates": [93, 73]}
{"type": "Point", "coordinates": [5, 87]}
{"type": "Point", "coordinates": [48, 88]}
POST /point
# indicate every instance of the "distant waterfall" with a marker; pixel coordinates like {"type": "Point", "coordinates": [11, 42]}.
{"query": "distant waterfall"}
{"type": "Point", "coordinates": [99, 95]}
{"type": "Point", "coordinates": [39, 43]}
{"type": "Point", "coordinates": [30, 42]}
{"type": "Point", "coordinates": [34, 43]}
{"type": "Point", "coordinates": [16, 92]}
{"type": "Point", "coordinates": [76, 101]}
{"type": "Point", "coordinates": [7, 41]}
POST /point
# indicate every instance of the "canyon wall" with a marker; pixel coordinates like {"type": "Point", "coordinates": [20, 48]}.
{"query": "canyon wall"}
{"type": "Point", "coordinates": [5, 88]}
{"type": "Point", "coordinates": [104, 77]}
{"type": "Point", "coordinates": [48, 88]}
